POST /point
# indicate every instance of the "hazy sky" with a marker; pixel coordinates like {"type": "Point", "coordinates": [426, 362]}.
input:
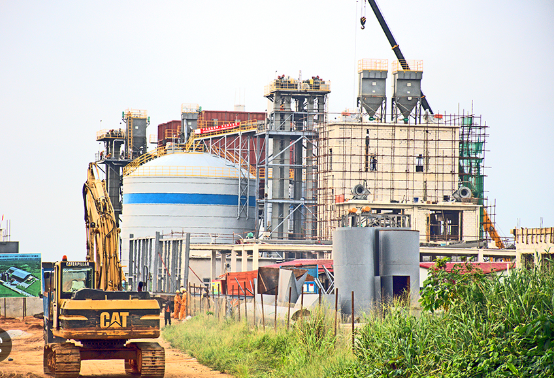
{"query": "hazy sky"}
{"type": "Point", "coordinates": [69, 68]}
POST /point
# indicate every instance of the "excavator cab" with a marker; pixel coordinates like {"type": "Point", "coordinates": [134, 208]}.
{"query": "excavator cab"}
{"type": "Point", "coordinates": [74, 277]}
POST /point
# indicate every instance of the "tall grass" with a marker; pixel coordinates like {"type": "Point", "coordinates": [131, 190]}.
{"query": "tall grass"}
{"type": "Point", "coordinates": [479, 326]}
{"type": "Point", "coordinates": [309, 349]}
{"type": "Point", "coordinates": [492, 327]}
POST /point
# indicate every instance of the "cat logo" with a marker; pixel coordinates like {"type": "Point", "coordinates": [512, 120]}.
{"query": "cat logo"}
{"type": "Point", "coordinates": [115, 320]}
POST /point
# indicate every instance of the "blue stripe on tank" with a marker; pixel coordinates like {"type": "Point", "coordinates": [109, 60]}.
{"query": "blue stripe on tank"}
{"type": "Point", "coordinates": [184, 198]}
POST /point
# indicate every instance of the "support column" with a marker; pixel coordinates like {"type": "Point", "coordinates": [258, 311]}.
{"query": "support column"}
{"type": "Point", "coordinates": [255, 256]}
{"type": "Point", "coordinates": [223, 261]}
{"type": "Point", "coordinates": [234, 260]}
{"type": "Point", "coordinates": [213, 273]}
{"type": "Point", "coordinates": [131, 270]}
{"type": "Point", "coordinates": [157, 263]}
{"type": "Point", "coordinates": [244, 259]}
{"type": "Point", "coordinates": [187, 255]}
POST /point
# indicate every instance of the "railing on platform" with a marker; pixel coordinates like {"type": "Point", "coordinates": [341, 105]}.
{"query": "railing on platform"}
{"type": "Point", "coordinates": [186, 171]}
{"type": "Point", "coordinates": [136, 113]}
{"type": "Point", "coordinates": [241, 126]}
{"type": "Point", "coordinates": [110, 133]}
{"type": "Point", "coordinates": [373, 65]}
{"type": "Point", "coordinates": [414, 65]}
{"type": "Point", "coordinates": [310, 85]}
{"type": "Point", "coordinates": [190, 108]}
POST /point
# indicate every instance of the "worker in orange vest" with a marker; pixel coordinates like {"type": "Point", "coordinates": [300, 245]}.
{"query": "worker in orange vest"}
{"type": "Point", "coordinates": [183, 311]}
{"type": "Point", "coordinates": [177, 305]}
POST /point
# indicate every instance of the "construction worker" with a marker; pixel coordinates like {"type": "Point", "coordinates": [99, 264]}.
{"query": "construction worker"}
{"type": "Point", "coordinates": [183, 310]}
{"type": "Point", "coordinates": [167, 308]}
{"type": "Point", "coordinates": [177, 305]}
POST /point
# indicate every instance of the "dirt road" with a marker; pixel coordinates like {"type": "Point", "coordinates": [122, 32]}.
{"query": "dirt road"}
{"type": "Point", "coordinates": [28, 348]}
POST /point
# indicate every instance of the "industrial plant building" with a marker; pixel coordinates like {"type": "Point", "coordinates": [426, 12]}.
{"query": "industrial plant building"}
{"type": "Point", "coordinates": [293, 175]}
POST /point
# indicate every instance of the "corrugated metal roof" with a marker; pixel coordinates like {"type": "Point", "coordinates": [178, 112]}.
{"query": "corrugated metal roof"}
{"type": "Point", "coordinates": [18, 273]}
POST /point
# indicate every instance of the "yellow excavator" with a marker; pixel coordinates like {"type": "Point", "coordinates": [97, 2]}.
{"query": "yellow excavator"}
{"type": "Point", "coordinates": [87, 316]}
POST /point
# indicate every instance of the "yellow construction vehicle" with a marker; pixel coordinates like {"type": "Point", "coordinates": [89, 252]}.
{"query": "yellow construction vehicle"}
{"type": "Point", "coordinates": [83, 302]}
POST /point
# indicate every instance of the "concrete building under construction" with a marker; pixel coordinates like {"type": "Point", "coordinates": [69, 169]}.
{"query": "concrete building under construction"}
{"type": "Point", "coordinates": [425, 168]}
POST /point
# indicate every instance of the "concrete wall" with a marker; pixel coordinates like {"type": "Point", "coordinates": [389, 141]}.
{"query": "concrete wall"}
{"type": "Point", "coordinates": [533, 241]}
{"type": "Point", "coordinates": [13, 307]}
{"type": "Point", "coordinates": [344, 160]}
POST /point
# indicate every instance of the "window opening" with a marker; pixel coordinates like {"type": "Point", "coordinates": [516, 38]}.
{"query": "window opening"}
{"type": "Point", "coordinates": [74, 279]}
{"type": "Point", "coordinates": [419, 163]}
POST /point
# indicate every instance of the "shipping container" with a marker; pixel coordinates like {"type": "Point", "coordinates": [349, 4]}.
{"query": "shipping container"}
{"type": "Point", "coordinates": [246, 283]}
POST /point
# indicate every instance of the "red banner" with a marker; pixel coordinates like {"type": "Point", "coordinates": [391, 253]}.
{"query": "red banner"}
{"type": "Point", "coordinates": [212, 129]}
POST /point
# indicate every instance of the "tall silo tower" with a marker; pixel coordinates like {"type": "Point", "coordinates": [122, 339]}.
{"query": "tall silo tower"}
{"type": "Point", "coordinates": [196, 193]}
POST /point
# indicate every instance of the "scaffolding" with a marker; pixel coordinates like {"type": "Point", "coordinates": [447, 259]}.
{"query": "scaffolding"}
{"type": "Point", "coordinates": [287, 200]}
{"type": "Point", "coordinates": [400, 163]}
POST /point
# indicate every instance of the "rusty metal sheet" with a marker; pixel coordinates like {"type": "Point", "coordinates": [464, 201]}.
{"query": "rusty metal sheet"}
{"type": "Point", "coordinates": [268, 280]}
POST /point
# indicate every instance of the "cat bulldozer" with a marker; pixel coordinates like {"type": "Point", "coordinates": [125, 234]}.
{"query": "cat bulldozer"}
{"type": "Point", "coordinates": [87, 315]}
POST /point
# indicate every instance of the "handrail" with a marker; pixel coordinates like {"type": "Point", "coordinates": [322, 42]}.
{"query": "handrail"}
{"type": "Point", "coordinates": [190, 108]}
{"type": "Point", "coordinates": [243, 126]}
{"type": "Point", "coordinates": [172, 133]}
{"type": "Point", "coordinates": [158, 152]}
{"type": "Point", "coordinates": [310, 85]}
{"type": "Point", "coordinates": [407, 65]}
{"type": "Point", "coordinates": [235, 158]}
{"type": "Point", "coordinates": [187, 171]}
{"type": "Point", "coordinates": [110, 133]}
{"type": "Point", "coordinates": [136, 113]}
{"type": "Point", "coordinates": [373, 64]}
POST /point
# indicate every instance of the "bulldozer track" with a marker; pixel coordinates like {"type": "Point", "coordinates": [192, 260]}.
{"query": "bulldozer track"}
{"type": "Point", "coordinates": [62, 360]}
{"type": "Point", "coordinates": [150, 361]}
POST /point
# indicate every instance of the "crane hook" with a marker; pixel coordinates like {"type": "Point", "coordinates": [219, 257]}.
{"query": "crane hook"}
{"type": "Point", "coordinates": [362, 21]}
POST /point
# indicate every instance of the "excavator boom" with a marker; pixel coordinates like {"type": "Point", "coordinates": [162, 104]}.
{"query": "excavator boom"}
{"type": "Point", "coordinates": [102, 232]}
{"type": "Point", "coordinates": [84, 302]}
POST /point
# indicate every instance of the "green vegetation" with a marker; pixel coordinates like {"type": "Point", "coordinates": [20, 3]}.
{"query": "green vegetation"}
{"type": "Point", "coordinates": [308, 349]}
{"type": "Point", "coordinates": [472, 325]}
{"type": "Point", "coordinates": [7, 292]}
{"type": "Point", "coordinates": [485, 326]}
{"type": "Point", "coordinates": [34, 288]}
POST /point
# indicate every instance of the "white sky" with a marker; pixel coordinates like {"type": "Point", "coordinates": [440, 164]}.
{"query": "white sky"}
{"type": "Point", "coordinates": [69, 68]}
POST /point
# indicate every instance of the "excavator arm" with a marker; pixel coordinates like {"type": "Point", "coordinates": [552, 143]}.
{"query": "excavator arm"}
{"type": "Point", "coordinates": [102, 232]}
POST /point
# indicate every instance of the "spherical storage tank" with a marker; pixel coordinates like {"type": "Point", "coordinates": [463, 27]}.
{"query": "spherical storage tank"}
{"type": "Point", "coordinates": [186, 192]}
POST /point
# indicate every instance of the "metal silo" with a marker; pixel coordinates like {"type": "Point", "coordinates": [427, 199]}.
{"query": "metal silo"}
{"type": "Point", "coordinates": [187, 192]}
{"type": "Point", "coordinates": [406, 86]}
{"type": "Point", "coordinates": [372, 77]}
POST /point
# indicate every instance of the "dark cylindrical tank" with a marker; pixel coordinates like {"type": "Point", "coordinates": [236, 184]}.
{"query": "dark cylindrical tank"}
{"type": "Point", "coordinates": [354, 267]}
